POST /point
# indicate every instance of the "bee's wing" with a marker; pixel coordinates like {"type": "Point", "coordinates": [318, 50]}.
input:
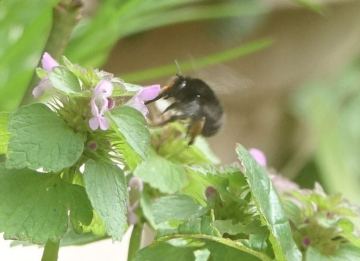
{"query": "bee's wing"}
{"type": "Point", "coordinates": [224, 80]}
{"type": "Point", "coordinates": [221, 78]}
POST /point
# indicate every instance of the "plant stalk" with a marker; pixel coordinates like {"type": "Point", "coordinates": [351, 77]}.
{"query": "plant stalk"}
{"type": "Point", "coordinates": [135, 241]}
{"type": "Point", "coordinates": [51, 251]}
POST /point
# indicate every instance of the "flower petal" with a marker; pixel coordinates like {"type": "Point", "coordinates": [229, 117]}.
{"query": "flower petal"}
{"type": "Point", "coordinates": [150, 92]}
{"type": "Point", "coordinates": [104, 89]}
{"type": "Point", "coordinates": [94, 123]}
{"type": "Point", "coordinates": [48, 63]}
{"type": "Point", "coordinates": [138, 104]}
{"type": "Point", "coordinates": [44, 85]}
{"type": "Point", "coordinates": [136, 183]}
{"type": "Point", "coordinates": [259, 156]}
{"type": "Point", "coordinates": [282, 184]}
{"type": "Point", "coordinates": [104, 123]}
{"type": "Point", "coordinates": [111, 103]}
{"type": "Point", "coordinates": [94, 108]}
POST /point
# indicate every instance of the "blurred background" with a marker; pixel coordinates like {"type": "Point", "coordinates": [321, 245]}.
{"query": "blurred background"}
{"type": "Point", "coordinates": [286, 71]}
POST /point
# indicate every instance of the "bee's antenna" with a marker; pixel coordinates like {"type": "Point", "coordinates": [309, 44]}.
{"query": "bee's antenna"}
{"type": "Point", "coordinates": [178, 67]}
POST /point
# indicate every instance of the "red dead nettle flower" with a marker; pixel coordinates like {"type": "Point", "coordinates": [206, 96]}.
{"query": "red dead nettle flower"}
{"type": "Point", "coordinates": [86, 106]}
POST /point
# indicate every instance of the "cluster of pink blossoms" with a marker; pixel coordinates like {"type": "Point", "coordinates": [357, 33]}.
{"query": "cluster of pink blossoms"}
{"type": "Point", "coordinates": [101, 100]}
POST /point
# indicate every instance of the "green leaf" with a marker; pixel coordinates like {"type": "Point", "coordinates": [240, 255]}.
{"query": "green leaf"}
{"type": "Point", "coordinates": [37, 205]}
{"type": "Point", "coordinates": [230, 184]}
{"type": "Point", "coordinates": [269, 206]}
{"type": "Point", "coordinates": [161, 174]}
{"type": "Point", "coordinates": [41, 139]}
{"type": "Point", "coordinates": [179, 207]}
{"type": "Point", "coordinates": [347, 231]}
{"type": "Point", "coordinates": [106, 187]}
{"type": "Point", "coordinates": [257, 241]}
{"type": "Point", "coordinates": [4, 133]}
{"type": "Point", "coordinates": [77, 71]}
{"type": "Point", "coordinates": [97, 226]}
{"type": "Point", "coordinates": [220, 252]}
{"type": "Point", "coordinates": [24, 28]}
{"type": "Point", "coordinates": [164, 252]}
{"type": "Point", "coordinates": [65, 81]}
{"type": "Point", "coordinates": [145, 204]}
{"type": "Point", "coordinates": [227, 226]}
{"type": "Point", "coordinates": [173, 145]}
{"type": "Point", "coordinates": [199, 226]}
{"type": "Point", "coordinates": [131, 127]}
{"type": "Point", "coordinates": [73, 239]}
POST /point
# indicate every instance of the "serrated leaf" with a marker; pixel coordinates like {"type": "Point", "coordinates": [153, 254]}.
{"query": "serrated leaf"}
{"type": "Point", "coordinates": [78, 71]}
{"type": "Point", "coordinates": [35, 206]}
{"type": "Point", "coordinates": [4, 133]}
{"type": "Point", "coordinates": [347, 232]}
{"type": "Point", "coordinates": [41, 139]}
{"type": "Point", "coordinates": [270, 207]}
{"type": "Point", "coordinates": [97, 226]}
{"type": "Point", "coordinates": [173, 145]}
{"type": "Point", "coordinates": [179, 207]}
{"type": "Point", "coordinates": [164, 252]}
{"type": "Point", "coordinates": [257, 242]}
{"type": "Point", "coordinates": [199, 226]}
{"type": "Point", "coordinates": [131, 126]}
{"type": "Point", "coordinates": [73, 239]}
{"type": "Point", "coordinates": [220, 252]}
{"type": "Point", "coordinates": [106, 187]}
{"type": "Point", "coordinates": [227, 226]}
{"type": "Point", "coordinates": [161, 174]}
{"type": "Point", "coordinates": [65, 81]}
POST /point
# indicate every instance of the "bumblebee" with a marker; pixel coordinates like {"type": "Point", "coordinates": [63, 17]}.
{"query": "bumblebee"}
{"type": "Point", "coordinates": [196, 101]}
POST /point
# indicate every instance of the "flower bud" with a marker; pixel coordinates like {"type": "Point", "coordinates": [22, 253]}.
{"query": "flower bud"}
{"type": "Point", "coordinates": [210, 192]}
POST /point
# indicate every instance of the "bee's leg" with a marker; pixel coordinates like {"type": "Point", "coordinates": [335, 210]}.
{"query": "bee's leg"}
{"type": "Point", "coordinates": [155, 99]}
{"type": "Point", "coordinates": [171, 106]}
{"type": "Point", "coordinates": [161, 94]}
{"type": "Point", "coordinates": [174, 118]}
{"type": "Point", "coordinates": [195, 129]}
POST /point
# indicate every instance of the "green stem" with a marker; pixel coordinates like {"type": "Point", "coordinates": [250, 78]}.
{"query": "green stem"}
{"type": "Point", "coordinates": [135, 241]}
{"type": "Point", "coordinates": [51, 251]}
{"type": "Point", "coordinates": [65, 16]}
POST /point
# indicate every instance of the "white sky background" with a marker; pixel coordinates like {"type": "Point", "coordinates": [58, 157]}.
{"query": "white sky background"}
{"type": "Point", "coordinates": [104, 250]}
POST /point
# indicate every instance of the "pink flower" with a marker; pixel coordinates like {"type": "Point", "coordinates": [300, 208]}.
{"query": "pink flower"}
{"type": "Point", "coordinates": [44, 85]}
{"type": "Point", "coordinates": [48, 63]}
{"type": "Point", "coordinates": [282, 184]}
{"type": "Point", "coordinates": [146, 94]}
{"type": "Point", "coordinates": [99, 105]}
{"type": "Point", "coordinates": [98, 120]}
{"type": "Point", "coordinates": [104, 89]}
{"type": "Point", "coordinates": [259, 156]}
